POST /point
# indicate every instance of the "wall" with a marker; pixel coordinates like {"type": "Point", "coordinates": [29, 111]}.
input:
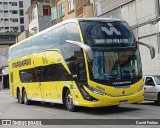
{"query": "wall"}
{"type": "Point", "coordinates": [23, 35]}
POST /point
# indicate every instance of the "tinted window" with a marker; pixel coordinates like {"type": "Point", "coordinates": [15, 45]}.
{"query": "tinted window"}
{"type": "Point", "coordinates": [75, 60]}
{"type": "Point", "coordinates": [113, 34]}
{"type": "Point", "coordinates": [28, 75]}
{"type": "Point", "coordinates": [54, 38]}
{"type": "Point", "coordinates": [54, 72]}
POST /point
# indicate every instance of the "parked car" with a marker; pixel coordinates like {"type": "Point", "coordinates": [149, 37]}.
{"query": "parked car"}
{"type": "Point", "coordinates": [152, 88]}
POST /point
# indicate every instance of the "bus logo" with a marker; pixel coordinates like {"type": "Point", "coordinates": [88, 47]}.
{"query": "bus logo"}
{"type": "Point", "coordinates": [22, 63]}
{"type": "Point", "coordinates": [111, 30]}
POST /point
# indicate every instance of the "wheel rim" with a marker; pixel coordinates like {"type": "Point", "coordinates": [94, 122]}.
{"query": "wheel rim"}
{"type": "Point", "coordinates": [69, 101]}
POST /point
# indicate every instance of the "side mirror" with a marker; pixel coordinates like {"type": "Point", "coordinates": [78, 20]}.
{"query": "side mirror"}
{"type": "Point", "coordinates": [151, 48]}
{"type": "Point", "coordinates": [85, 47]}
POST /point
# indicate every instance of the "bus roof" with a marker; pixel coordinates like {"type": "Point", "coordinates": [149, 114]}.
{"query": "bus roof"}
{"type": "Point", "coordinates": [67, 21]}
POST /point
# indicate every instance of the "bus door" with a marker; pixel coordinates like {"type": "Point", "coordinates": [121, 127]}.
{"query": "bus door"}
{"type": "Point", "coordinates": [76, 63]}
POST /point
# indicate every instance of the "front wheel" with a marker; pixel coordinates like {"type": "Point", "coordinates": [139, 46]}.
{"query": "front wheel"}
{"type": "Point", "coordinates": [69, 101]}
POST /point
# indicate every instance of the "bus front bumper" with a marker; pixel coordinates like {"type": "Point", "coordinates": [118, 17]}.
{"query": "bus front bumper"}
{"type": "Point", "coordinates": [103, 101]}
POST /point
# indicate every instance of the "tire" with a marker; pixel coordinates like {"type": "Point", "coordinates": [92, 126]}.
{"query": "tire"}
{"type": "Point", "coordinates": [69, 102]}
{"type": "Point", "coordinates": [158, 99]}
{"type": "Point", "coordinates": [25, 99]}
{"type": "Point", "coordinates": [20, 99]}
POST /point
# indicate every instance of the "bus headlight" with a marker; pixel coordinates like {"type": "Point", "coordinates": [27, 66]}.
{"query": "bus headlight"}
{"type": "Point", "coordinates": [96, 91]}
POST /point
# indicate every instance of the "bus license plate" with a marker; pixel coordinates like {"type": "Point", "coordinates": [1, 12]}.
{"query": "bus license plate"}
{"type": "Point", "coordinates": [123, 102]}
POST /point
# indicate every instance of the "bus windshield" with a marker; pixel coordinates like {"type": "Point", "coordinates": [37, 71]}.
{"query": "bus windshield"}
{"type": "Point", "coordinates": [107, 33]}
{"type": "Point", "coordinates": [108, 67]}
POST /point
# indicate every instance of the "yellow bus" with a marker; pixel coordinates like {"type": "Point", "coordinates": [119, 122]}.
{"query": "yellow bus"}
{"type": "Point", "coordinates": [89, 62]}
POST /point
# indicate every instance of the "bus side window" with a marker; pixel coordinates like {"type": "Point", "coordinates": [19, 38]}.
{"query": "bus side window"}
{"type": "Point", "coordinates": [82, 70]}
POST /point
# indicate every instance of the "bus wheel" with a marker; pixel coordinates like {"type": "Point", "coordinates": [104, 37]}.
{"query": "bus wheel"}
{"type": "Point", "coordinates": [20, 100]}
{"type": "Point", "coordinates": [25, 99]}
{"type": "Point", "coordinates": [69, 101]}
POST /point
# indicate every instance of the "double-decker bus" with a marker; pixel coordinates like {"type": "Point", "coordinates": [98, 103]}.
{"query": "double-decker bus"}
{"type": "Point", "coordinates": [90, 62]}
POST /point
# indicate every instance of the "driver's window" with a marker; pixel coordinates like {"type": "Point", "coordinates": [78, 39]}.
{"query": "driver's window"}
{"type": "Point", "coordinates": [149, 81]}
{"type": "Point", "coordinates": [75, 60]}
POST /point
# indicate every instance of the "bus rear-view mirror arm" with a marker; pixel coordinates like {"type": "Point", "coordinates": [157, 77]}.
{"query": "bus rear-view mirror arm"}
{"type": "Point", "coordinates": [151, 48]}
{"type": "Point", "coordinates": [85, 47]}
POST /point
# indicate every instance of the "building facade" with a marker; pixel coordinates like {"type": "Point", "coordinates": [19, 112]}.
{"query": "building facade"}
{"type": "Point", "coordinates": [66, 9]}
{"type": "Point", "coordinates": [39, 15]}
{"type": "Point", "coordinates": [12, 15]}
{"type": "Point", "coordinates": [144, 18]}
{"type": "Point", "coordinates": [13, 21]}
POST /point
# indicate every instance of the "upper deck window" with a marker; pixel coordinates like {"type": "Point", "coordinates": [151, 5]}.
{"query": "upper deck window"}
{"type": "Point", "coordinates": [107, 33]}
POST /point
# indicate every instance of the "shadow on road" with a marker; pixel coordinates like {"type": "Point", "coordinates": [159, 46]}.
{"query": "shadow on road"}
{"type": "Point", "coordinates": [94, 111]}
{"type": "Point", "coordinates": [152, 103]}
{"type": "Point", "coordinates": [109, 110]}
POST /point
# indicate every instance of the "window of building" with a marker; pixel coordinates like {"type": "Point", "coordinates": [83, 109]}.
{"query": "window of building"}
{"type": "Point", "coordinates": [15, 28]}
{"type": "Point", "coordinates": [54, 13]}
{"type": "Point", "coordinates": [22, 28]}
{"type": "Point", "coordinates": [61, 9]}
{"type": "Point", "coordinates": [14, 3]}
{"type": "Point", "coordinates": [21, 20]}
{"type": "Point", "coordinates": [6, 27]}
{"type": "Point", "coordinates": [14, 12]}
{"type": "Point", "coordinates": [6, 22]}
{"type": "Point", "coordinates": [21, 12]}
{"type": "Point", "coordinates": [70, 5]}
{"type": "Point", "coordinates": [12, 38]}
{"type": "Point", "coordinates": [15, 20]}
{"type": "Point", "coordinates": [46, 10]}
{"type": "Point", "coordinates": [4, 37]}
{"type": "Point", "coordinates": [21, 4]}
{"type": "Point", "coordinates": [5, 13]}
{"type": "Point", "coordinates": [5, 3]}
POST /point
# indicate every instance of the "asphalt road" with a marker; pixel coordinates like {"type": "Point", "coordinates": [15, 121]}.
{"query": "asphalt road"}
{"type": "Point", "coordinates": [11, 109]}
